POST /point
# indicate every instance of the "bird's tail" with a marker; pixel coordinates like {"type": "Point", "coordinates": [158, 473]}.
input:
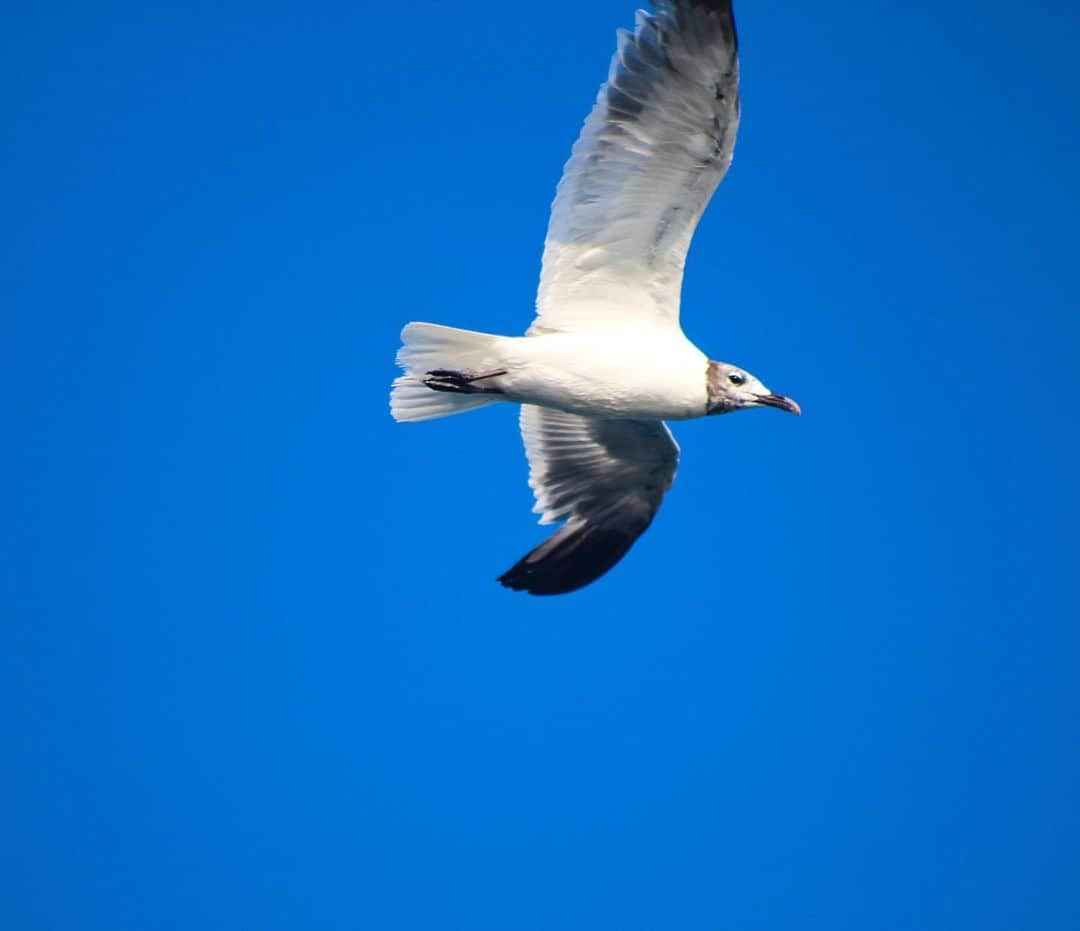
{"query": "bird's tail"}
{"type": "Point", "coordinates": [427, 347]}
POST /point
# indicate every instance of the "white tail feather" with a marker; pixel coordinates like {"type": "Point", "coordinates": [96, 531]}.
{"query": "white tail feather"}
{"type": "Point", "coordinates": [428, 346]}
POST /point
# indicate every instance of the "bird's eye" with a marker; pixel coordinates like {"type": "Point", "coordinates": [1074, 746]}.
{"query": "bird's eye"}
{"type": "Point", "coordinates": [737, 378]}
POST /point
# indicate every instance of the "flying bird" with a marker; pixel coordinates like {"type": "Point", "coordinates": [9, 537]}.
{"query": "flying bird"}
{"type": "Point", "coordinates": [605, 362]}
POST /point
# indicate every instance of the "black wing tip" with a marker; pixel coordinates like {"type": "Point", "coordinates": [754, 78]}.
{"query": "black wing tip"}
{"type": "Point", "coordinates": [521, 578]}
{"type": "Point", "coordinates": [518, 581]}
{"type": "Point", "coordinates": [572, 558]}
{"type": "Point", "coordinates": [722, 8]}
{"type": "Point", "coordinates": [712, 6]}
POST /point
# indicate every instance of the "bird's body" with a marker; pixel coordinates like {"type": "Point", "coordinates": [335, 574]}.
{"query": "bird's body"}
{"type": "Point", "coordinates": [641, 372]}
{"type": "Point", "coordinates": [605, 362]}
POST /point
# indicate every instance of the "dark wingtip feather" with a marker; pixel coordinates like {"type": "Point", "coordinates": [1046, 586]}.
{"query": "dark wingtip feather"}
{"type": "Point", "coordinates": [723, 7]}
{"type": "Point", "coordinates": [712, 6]}
{"type": "Point", "coordinates": [573, 557]}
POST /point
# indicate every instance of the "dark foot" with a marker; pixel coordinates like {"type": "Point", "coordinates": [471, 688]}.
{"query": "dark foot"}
{"type": "Point", "coordinates": [461, 382]}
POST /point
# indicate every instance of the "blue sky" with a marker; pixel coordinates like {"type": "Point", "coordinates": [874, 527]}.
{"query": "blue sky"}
{"type": "Point", "coordinates": [255, 669]}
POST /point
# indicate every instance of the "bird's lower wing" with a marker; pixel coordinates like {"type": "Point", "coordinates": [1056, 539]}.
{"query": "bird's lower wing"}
{"type": "Point", "coordinates": [605, 478]}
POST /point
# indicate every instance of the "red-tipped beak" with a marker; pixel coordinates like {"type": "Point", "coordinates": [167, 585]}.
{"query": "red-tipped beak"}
{"type": "Point", "coordinates": [779, 401]}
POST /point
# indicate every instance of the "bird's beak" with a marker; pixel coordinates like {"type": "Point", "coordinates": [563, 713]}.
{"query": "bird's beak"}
{"type": "Point", "coordinates": [779, 401]}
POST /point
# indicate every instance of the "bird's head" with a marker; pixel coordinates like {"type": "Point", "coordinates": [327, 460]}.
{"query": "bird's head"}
{"type": "Point", "coordinates": [731, 389]}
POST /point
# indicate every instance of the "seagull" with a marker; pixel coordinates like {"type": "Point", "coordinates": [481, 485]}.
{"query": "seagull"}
{"type": "Point", "coordinates": [605, 362]}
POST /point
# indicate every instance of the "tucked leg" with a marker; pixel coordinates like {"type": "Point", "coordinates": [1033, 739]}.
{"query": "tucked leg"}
{"type": "Point", "coordinates": [461, 382]}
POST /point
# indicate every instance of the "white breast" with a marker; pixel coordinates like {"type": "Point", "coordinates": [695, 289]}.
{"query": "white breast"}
{"type": "Point", "coordinates": [642, 372]}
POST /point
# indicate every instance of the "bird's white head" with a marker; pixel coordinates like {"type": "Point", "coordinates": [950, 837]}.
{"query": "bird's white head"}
{"type": "Point", "coordinates": [730, 388]}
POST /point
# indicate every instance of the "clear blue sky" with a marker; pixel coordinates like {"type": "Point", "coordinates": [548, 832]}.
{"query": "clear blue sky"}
{"type": "Point", "coordinates": [256, 672]}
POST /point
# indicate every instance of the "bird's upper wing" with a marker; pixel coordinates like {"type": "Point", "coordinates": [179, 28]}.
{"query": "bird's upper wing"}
{"type": "Point", "coordinates": [652, 152]}
{"type": "Point", "coordinates": [605, 478]}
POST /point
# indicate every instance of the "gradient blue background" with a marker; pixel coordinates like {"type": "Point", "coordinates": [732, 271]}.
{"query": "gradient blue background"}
{"type": "Point", "coordinates": [256, 672]}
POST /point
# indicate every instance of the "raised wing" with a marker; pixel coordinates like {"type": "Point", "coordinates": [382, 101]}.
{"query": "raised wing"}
{"type": "Point", "coordinates": [652, 152]}
{"type": "Point", "coordinates": [605, 478]}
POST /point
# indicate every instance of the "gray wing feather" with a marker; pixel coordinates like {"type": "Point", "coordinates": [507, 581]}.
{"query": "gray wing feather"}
{"type": "Point", "coordinates": [657, 143]}
{"type": "Point", "coordinates": [605, 478]}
